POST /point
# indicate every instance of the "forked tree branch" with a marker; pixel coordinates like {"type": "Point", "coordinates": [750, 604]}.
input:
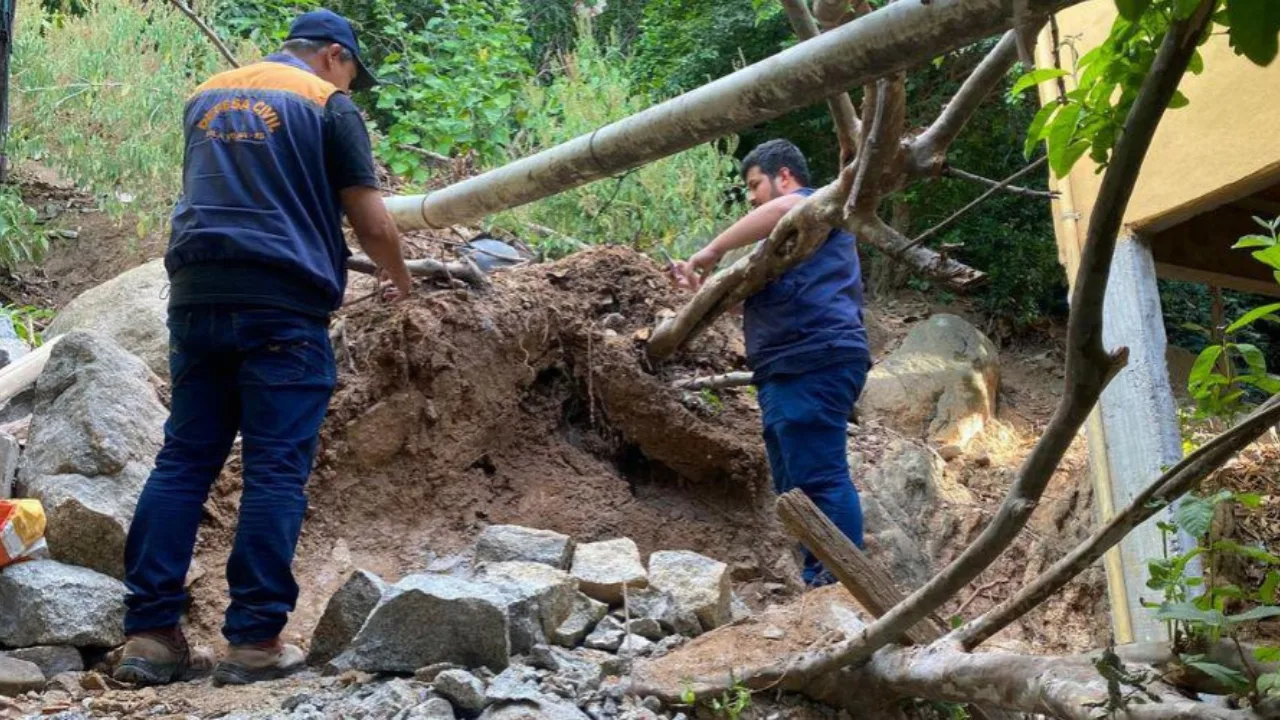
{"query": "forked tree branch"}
{"type": "Point", "coordinates": [1182, 477]}
{"type": "Point", "coordinates": [843, 114]}
{"type": "Point", "coordinates": [208, 31]}
{"type": "Point", "coordinates": [1089, 366]}
{"type": "Point", "coordinates": [929, 148]}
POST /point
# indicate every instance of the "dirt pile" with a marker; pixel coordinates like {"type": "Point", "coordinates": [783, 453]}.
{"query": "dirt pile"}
{"type": "Point", "coordinates": [524, 405]}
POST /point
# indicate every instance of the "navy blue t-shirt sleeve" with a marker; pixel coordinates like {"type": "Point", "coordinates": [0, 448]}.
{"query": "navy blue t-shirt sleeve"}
{"type": "Point", "coordinates": [348, 152]}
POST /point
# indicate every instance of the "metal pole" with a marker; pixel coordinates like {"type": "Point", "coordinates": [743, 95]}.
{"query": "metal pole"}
{"type": "Point", "coordinates": [894, 38]}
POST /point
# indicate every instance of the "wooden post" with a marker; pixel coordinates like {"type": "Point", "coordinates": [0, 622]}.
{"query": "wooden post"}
{"type": "Point", "coordinates": [8, 9]}
{"type": "Point", "coordinates": [866, 581]}
{"type": "Point", "coordinates": [1133, 435]}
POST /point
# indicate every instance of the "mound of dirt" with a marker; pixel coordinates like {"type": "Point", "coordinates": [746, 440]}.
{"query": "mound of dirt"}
{"type": "Point", "coordinates": [528, 404]}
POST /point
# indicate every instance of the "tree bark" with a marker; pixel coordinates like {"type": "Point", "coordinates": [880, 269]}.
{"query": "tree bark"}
{"type": "Point", "coordinates": [715, 382]}
{"type": "Point", "coordinates": [208, 32]}
{"type": "Point", "coordinates": [843, 114]}
{"type": "Point", "coordinates": [463, 270]}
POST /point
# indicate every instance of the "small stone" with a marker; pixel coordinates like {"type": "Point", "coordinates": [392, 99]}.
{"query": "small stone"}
{"type": "Point", "coordinates": [517, 682]}
{"type": "Point", "coordinates": [540, 707]}
{"type": "Point", "coordinates": [508, 543]}
{"type": "Point", "coordinates": [982, 460]}
{"type": "Point", "coordinates": [607, 636]}
{"type": "Point", "coordinates": [67, 682]}
{"type": "Point", "coordinates": [583, 617]}
{"type": "Point", "coordinates": [652, 703]}
{"type": "Point", "coordinates": [582, 672]}
{"type": "Point", "coordinates": [739, 608]}
{"type": "Point", "coordinates": [647, 628]}
{"type": "Point", "coordinates": [667, 644]}
{"type": "Point", "coordinates": [433, 709]}
{"type": "Point", "coordinates": [773, 632]}
{"type": "Point", "coordinates": [9, 454]}
{"type": "Point", "coordinates": [950, 452]}
{"type": "Point", "coordinates": [51, 659]}
{"type": "Point", "coordinates": [462, 689]}
{"type": "Point", "coordinates": [698, 583]}
{"type": "Point", "coordinates": [603, 568]}
{"type": "Point", "coordinates": [428, 674]}
{"type": "Point", "coordinates": [635, 646]}
{"type": "Point", "coordinates": [19, 676]}
{"type": "Point", "coordinates": [344, 615]}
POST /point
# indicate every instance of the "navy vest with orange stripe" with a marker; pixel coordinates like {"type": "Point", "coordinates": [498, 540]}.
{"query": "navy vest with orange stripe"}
{"type": "Point", "coordinates": [255, 188]}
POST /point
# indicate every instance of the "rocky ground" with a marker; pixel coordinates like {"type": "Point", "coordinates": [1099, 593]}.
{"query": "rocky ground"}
{"type": "Point", "coordinates": [496, 468]}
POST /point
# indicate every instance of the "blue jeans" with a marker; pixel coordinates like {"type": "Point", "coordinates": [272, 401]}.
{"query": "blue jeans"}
{"type": "Point", "coordinates": [805, 417]}
{"type": "Point", "coordinates": [268, 374]}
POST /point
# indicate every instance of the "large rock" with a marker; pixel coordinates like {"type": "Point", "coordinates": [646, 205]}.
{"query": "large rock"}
{"type": "Point", "coordinates": [603, 568]}
{"type": "Point", "coordinates": [345, 614]}
{"type": "Point", "coordinates": [698, 584]}
{"type": "Point", "coordinates": [10, 453]}
{"type": "Point", "coordinates": [541, 598]}
{"type": "Point", "coordinates": [911, 510]}
{"type": "Point", "coordinates": [131, 308]}
{"type": "Point", "coordinates": [19, 676]}
{"type": "Point", "coordinates": [582, 619]}
{"type": "Point", "coordinates": [425, 619]}
{"type": "Point", "coordinates": [51, 659]}
{"type": "Point", "coordinates": [95, 432]}
{"type": "Point", "coordinates": [940, 383]}
{"type": "Point", "coordinates": [44, 602]}
{"type": "Point", "coordinates": [512, 543]}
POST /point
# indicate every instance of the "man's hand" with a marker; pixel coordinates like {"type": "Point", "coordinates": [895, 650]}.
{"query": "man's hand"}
{"type": "Point", "coordinates": [378, 236]}
{"type": "Point", "coordinates": [391, 291]}
{"type": "Point", "coordinates": [690, 274]}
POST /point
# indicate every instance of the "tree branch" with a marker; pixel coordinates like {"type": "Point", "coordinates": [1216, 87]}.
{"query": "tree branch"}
{"type": "Point", "coordinates": [928, 150]}
{"type": "Point", "coordinates": [926, 262]}
{"type": "Point", "coordinates": [880, 152]}
{"type": "Point", "coordinates": [463, 270]}
{"type": "Point", "coordinates": [208, 31]}
{"type": "Point", "coordinates": [1089, 366]}
{"type": "Point", "coordinates": [843, 114]}
{"type": "Point", "coordinates": [957, 173]}
{"type": "Point", "coordinates": [833, 13]}
{"type": "Point", "coordinates": [976, 202]}
{"type": "Point", "coordinates": [1170, 486]}
{"type": "Point", "coordinates": [715, 382]}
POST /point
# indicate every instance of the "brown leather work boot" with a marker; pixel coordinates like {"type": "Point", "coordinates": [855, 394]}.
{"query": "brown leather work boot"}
{"type": "Point", "coordinates": [159, 657]}
{"type": "Point", "coordinates": [256, 662]}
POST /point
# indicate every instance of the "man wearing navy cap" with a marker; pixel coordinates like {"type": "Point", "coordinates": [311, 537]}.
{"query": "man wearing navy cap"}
{"type": "Point", "coordinates": [276, 155]}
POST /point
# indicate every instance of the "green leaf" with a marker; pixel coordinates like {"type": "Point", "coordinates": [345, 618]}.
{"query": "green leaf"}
{"type": "Point", "coordinates": [1258, 613]}
{"type": "Point", "coordinates": [1035, 133]}
{"type": "Point", "coordinates": [1204, 364]}
{"type": "Point", "coordinates": [1221, 673]}
{"type": "Point", "coordinates": [1188, 612]}
{"type": "Point", "coordinates": [1267, 654]}
{"type": "Point", "coordinates": [1132, 9]}
{"type": "Point", "coordinates": [1194, 515]}
{"type": "Point", "coordinates": [1249, 500]}
{"type": "Point", "coordinates": [1178, 100]}
{"type": "Point", "coordinates": [1253, 357]}
{"type": "Point", "coordinates": [1252, 317]}
{"type": "Point", "coordinates": [1254, 241]}
{"type": "Point", "coordinates": [1267, 593]}
{"type": "Point", "coordinates": [1253, 553]}
{"type": "Point", "coordinates": [1035, 77]}
{"type": "Point", "coordinates": [1254, 28]}
{"type": "Point", "coordinates": [1061, 137]}
{"type": "Point", "coordinates": [1268, 256]}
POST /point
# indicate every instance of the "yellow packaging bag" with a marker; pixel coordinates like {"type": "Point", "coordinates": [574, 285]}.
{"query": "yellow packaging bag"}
{"type": "Point", "coordinates": [21, 529]}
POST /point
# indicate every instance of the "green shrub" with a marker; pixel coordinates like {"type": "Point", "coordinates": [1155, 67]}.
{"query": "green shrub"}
{"type": "Point", "coordinates": [100, 96]}
{"type": "Point", "coordinates": [677, 203]}
{"type": "Point", "coordinates": [20, 239]}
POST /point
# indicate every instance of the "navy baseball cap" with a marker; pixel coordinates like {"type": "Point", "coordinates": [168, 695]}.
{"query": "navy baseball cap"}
{"type": "Point", "coordinates": [332, 27]}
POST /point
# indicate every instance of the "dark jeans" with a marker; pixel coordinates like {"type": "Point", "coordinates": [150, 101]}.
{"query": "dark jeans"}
{"type": "Point", "coordinates": [805, 416]}
{"type": "Point", "coordinates": [267, 374]}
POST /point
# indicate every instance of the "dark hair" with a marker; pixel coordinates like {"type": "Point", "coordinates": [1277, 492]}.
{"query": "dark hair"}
{"type": "Point", "coordinates": [774, 155]}
{"type": "Point", "coordinates": [302, 47]}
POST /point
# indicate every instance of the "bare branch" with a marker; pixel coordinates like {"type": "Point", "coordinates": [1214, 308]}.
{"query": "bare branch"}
{"type": "Point", "coordinates": [929, 149]}
{"type": "Point", "coordinates": [1184, 476]}
{"type": "Point", "coordinates": [843, 114]}
{"type": "Point", "coordinates": [976, 202]}
{"type": "Point", "coordinates": [715, 382]}
{"type": "Point", "coordinates": [433, 158]}
{"type": "Point", "coordinates": [957, 173]}
{"type": "Point", "coordinates": [881, 151]}
{"type": "Point", "coordinates": [925, 262]}
{"type": "Point", "coordinates": [208, 31]}
{"type": "Point", "coordinates": [464, 270]}
{"type": "Point", "coordinates": [1089, 366]}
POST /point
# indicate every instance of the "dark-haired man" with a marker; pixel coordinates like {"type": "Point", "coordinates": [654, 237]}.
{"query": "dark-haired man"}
{"type": "Point", "coordinates": [806, 343]}
{"type": "Point", "coordinates": [276, 154]}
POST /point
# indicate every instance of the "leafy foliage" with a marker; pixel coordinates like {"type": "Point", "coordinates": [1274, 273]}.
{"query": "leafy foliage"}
{"type": "Point", "coordinates": [20, 240]}
{"type": "Point", "coordinates": [677, 203]}
{"type": "Point", "coordinates": [108, 120]}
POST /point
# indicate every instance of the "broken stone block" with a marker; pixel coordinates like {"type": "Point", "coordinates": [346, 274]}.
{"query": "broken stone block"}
{"type": "Point", "coordinates": [698, 584]}
{"type": "Point", "coordinates": [583, 674]}
{"type": "Point", "coordinates": [463, 689]}
{"type": "Point", "coordinates": [425, 619]}
{"type": "Point", "coordinates": [51, 659]}
{"type": "Point", "coordinates": [610, 636]}
{"type": "Point", "coordinates": [10, 452]}
{"type": "Point", "coordinates": [19, 676]}
{"type": "Point", "coordinates": [513, 543]}
{"type": "Point", "coordinates": [647, 628]}
{"type": "Point", "coordinates": [542, 707]}
{"type": "Point", "coordinates": [660, 605]}
{"type": "Point", "coordinates": [541, 598]}
{"type": "Point", "coordinates": [582, 620]}
{"type": "Point", "coordinates": [517, 682]}
{"type": "Point", "coordinates": [345, 614]}
{"type": "Point", "coordinates": [433, 709]}
{"type": "Point", "coordinates": [95, 431]}
{"type": "Point", "coordinates": [603, 568]}
{"type": "Point", "coordinates": [44, 602]}
{"type": "Point", "coordinates": [428, 674]}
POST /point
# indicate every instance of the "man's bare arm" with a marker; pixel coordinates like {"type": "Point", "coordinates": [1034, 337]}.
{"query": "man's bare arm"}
{"type": "Point", "coordinates": [752, 227]}
{"type": "Point", "coordinates": [377, 233]}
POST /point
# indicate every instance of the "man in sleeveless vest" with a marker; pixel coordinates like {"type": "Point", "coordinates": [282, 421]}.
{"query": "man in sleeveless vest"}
{"type": "Point", "coordinates": [806, 344]}
{"type": "Point", "coordinates": [276, 155]}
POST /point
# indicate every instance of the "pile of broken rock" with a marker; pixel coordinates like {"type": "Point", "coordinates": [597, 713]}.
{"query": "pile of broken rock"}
{"type": "Point", "coordinates": [538, 625]}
